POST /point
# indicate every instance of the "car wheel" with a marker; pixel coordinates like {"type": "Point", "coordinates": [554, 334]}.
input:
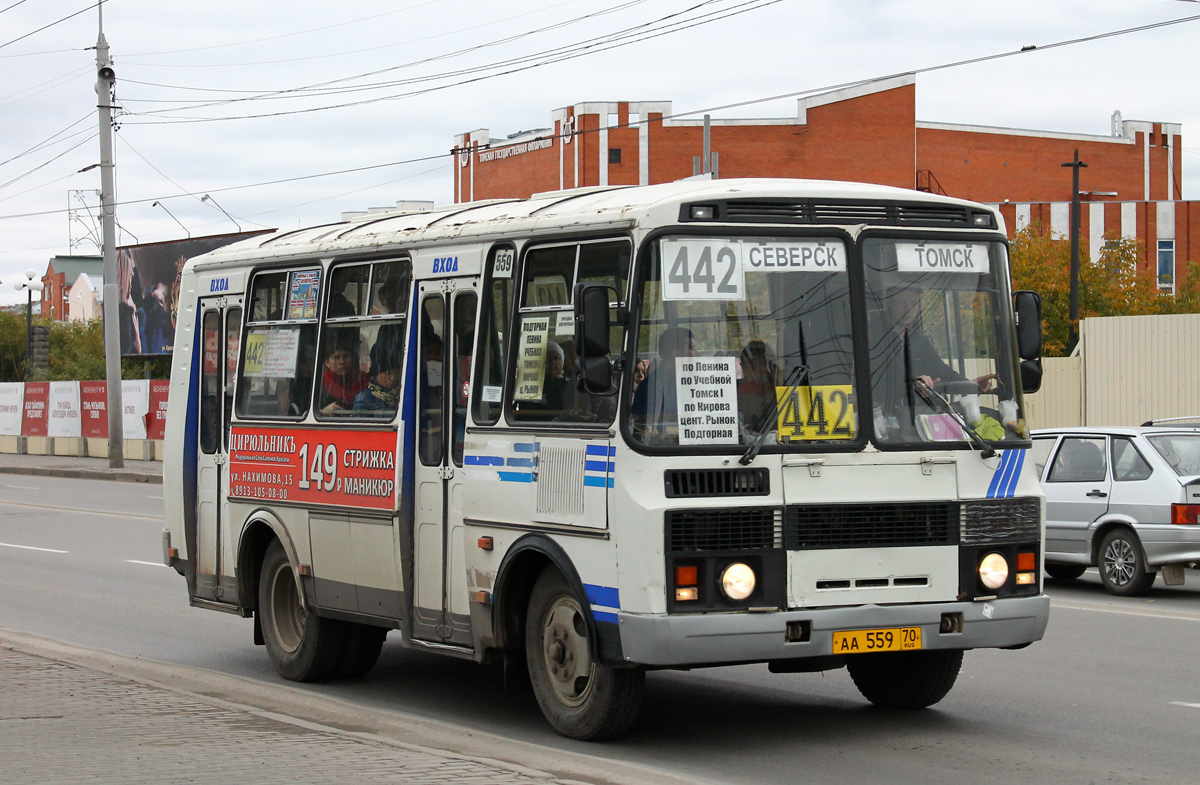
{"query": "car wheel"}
{"type": "Point", "coordinates": [1122, 564]}
{"type": "Point", "coordinates": [582, 698]}
{"type": "Point", "coordinates": [1065, 572]}
{"type": "Point", "coordinates": [907, 679]}
{"type": "Point", "coordinates": [301, 645]}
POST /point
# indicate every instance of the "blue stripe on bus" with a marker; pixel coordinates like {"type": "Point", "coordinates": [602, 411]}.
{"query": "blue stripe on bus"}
{"type": "Point", "coordinates": [515, 476]}
{"type": "Point", "coordinates": [602, 450]}
{"type": "Point", "coordinates": [607, 596]}
{"type": "Point", "coordinates": [594, 481]}
{"type": "Point", "coordinates": [524, 447]}
{"type": "Point", "coordinates": [483, 460]}
{"type": "Point", "coordinates": [525, 462]}
{"type": "Point", "coordinates": [599, 466]}
{"type": "Point", "coordinates": [611, 618]}
{"type": "Point", "coordinates": [998, 474]}
{"type": "Point", "coordinates": [1011, 488]}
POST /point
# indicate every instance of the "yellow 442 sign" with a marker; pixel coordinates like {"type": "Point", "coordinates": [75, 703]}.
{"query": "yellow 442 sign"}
{"type": "Point", "coordinates": [823, 411]}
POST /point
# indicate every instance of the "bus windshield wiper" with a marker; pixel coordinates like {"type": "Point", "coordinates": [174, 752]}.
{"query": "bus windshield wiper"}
{"type": "Point", "coordinates": [985, 450]}
{"type": "Point", "coordinates": [798, 374]}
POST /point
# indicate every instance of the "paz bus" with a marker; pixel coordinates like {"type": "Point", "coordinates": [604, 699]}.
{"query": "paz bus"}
{"type": "Point", "coordinates": [599, 432]}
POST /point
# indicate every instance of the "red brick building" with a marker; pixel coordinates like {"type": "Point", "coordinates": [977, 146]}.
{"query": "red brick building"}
{"type": "Point", "coordinates": [61, 273]}
{"type": "Point", "coordinates": [866, 133]}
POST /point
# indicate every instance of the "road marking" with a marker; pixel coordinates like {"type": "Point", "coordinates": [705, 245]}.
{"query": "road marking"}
{"type": "Point", "coordinates": [7, 503]}
{"type": "Point", "coordinates": [1188, 705]}
{"type": "Point", "coordinates": [147, 563]}
{"type": "Point", "coordinates": [23, 487]}
{"type": "Point", "coordinates": [1180, 616]}
{"type": "Point", "coordinates": [31, 548]}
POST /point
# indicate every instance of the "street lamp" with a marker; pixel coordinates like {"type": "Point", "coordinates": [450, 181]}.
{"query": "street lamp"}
{"type": "Point", "coordinates": [31, 284]}
{"type": "Point", "coordinates": [168, 212]}
{"type": "Point", "coordinates": [207, 198]}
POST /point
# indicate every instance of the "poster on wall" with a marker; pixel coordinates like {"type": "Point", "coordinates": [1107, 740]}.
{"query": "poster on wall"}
{"type": "Point", "coordinates": [63, 408]}
{"type": "Point", "coordinates": [135, 396]}
{"type": "Point", "coordinates": [148, 287]}
{"type": "Point", "coordinates": [33, 419]}
{"type": "Point", "coordinates": [12, 399]}
{"type": "Point", "coordinates": [93, 405]}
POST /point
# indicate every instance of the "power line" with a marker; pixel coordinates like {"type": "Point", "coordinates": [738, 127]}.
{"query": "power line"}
{"type": "Point", "coordinates": [827, 88]}
{"type": "Point", "coordinates": [52, 24]}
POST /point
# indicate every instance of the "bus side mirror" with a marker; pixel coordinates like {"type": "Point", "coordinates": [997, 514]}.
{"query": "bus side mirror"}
{"type": "Point", "coordinates": [1027, 306]}
{"type": "Point", "coordinates": [592, 332]}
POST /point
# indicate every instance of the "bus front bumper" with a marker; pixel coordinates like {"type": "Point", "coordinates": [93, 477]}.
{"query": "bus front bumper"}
{"type": "Point", "coordinates": [713, 638]}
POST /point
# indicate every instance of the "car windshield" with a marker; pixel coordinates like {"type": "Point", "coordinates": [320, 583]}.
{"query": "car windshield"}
{"type": "Point", "coordinates": [939, 320]}
{"type": "Point", "coordinates": [743, 341]}
{"type": "Point", "coordinates": [1181, 451]}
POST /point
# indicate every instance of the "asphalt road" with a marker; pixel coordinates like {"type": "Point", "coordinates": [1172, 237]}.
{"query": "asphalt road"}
{"type": "Point", "coordinates": [1110, 696]}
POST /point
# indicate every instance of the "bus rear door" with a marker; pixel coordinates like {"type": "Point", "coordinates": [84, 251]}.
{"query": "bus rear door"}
{"type": "Point", "coordinates": [220, 324]}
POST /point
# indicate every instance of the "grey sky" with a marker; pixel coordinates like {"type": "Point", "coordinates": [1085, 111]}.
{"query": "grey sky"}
{"type": "Point", "coordinates": [451, 66]}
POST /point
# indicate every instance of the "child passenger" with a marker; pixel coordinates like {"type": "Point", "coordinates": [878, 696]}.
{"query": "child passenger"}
{"type": "Point", "coordinates": [387, 365]}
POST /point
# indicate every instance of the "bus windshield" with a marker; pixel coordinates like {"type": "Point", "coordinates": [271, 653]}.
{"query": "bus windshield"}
{"type": "Point", "coordinates": [742, 339]}
{"type": "Point", "coordinates": [751, 341]}
{"type": "Point", "coordinates": [939, 326]}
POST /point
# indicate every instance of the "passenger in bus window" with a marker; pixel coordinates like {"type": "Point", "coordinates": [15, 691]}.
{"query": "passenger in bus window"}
{"type": "Point", "coordinates": [655, 401]}
{"type": "Point", "coordinates": [555, 386]}
{"type": "Point", "coordinates": [342, 379]}
{"type": "Point", "coordinates": [387, 298]}
{"type": "Point", "coordinates": [926, 365]}
{"type": "Point", "coordinates": [756, 387]}
{"type": "Point", "coordinates": [387, 364]}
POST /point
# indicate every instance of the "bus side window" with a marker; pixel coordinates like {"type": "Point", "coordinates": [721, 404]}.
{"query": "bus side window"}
{"type": "Point", "coordinates": [362, 343]}
{"type": "Point", "coordinates": [547, 381]}
{"type": "Point", "coordinates": [488, 387]}
{"type": "Point", "coordinates": [276, 357]}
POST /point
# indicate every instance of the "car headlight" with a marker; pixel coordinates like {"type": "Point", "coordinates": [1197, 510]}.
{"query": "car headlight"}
{"type": "Point", "coordinates": [737, 581]}
{"type": "Point", "coordinates": [993, 571]}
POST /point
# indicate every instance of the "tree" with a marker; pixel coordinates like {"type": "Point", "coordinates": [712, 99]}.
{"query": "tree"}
{"type": "Point", "coordinates": [12, 347]}
{"type": "Point", "coordinates": [1111, 286]}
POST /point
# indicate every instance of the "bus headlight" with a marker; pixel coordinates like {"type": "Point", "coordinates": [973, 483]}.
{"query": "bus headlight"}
{"type": "Point", "coordinates": [993, 571]}
{"type": "Point", "coordinates": [737, 581]}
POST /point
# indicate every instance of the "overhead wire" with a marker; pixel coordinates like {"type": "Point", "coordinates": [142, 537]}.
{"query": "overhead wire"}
{"type": "Point", "coordinates": [827, 88]}
{"type": "Point", "coordinates": [52, 24]}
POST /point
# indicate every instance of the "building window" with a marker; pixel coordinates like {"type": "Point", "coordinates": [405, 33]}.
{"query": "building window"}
{"type": "Point", "coordinates": [1166, 264]}
{"type": "Point", "coordinates": [614, 155]}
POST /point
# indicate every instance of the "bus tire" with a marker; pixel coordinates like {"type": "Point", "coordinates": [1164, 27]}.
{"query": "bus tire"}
{"type": "Point", "coordinates": [905, 680]}
{"type": "Point", "coordinates": [301, 645]}
{"type": "Point", "coordinates": [582, 698]}
{"type": "Point", "coordinates": [364, 642]}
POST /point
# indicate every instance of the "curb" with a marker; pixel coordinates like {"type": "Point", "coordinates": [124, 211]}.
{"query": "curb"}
{"type": "Point", "coordinates": [85, 474]}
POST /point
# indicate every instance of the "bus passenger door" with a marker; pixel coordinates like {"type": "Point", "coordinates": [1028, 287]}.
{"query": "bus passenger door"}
{"type": "Point", "coordinates": [441, 611]}
{"type": "Point", "coordinates": [220, 324]}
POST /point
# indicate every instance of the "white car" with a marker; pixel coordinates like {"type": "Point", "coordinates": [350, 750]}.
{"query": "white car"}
{"type": "Point", "coordinates": [1126, 500]}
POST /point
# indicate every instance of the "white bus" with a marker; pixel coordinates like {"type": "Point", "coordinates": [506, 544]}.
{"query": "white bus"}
{"type": "Point", "coordinates": [605, 431]}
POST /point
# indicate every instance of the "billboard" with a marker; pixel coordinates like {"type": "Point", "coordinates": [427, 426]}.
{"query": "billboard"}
{"type": "Point", "coordinates": [148, 289]}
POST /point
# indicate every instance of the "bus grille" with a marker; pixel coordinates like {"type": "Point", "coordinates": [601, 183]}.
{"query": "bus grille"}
{"type": "Point", "coordinates": [734, 529]}
{"type": "Point", "coordinates": [717, 482]}
{"type": "Point", "coordinates": [988, 521]}
{"type": "Point", "coordinates": [816, 527]}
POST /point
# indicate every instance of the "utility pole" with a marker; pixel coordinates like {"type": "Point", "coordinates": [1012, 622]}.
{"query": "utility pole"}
{"type": "Point", "coordinates": [105, 79]}
{"type": "Point", "coordinates": [1075, 165]}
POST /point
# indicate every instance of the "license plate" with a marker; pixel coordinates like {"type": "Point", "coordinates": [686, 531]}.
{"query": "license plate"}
{"type": "Point", "coordinates": [867, 641]}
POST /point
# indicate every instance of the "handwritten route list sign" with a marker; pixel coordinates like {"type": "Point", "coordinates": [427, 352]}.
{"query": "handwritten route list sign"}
{"type": "Point", "coordinates": [706, 397]}
{"type": "Point", "coordinates": [531, 364]}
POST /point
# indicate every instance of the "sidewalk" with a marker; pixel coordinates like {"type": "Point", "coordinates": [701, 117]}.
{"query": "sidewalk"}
{"type": "Point", "coordinates": [81, 468]}
{"type": "Point", "coordinates": [74, 715]}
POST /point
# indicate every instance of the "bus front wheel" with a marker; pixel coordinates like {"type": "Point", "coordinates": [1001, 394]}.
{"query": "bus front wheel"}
{"type": "Point", "coordinates": [905, 680]}
{"type": "Point", "coordinates": [582, 698]}
{"type": "Point", "coordinates": [301, 645]}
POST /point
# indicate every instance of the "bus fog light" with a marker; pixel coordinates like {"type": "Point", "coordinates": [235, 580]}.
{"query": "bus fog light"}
{"type": "Point", "coordinates": [690, 593]}
{"type": "Point", "coordinates": [1025, 578]}
{"type": "Point", "coordinates": [737, 581]}
{"type": "Point", "coordinates": [993, 571]}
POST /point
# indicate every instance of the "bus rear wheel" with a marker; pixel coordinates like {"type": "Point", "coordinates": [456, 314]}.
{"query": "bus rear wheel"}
{"type": "Point", "coordinates": [301, 645]}
{"type": "Point", "coordinates": [905, 680]}
{"type": "Point", "coordinates": [581, 697]}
